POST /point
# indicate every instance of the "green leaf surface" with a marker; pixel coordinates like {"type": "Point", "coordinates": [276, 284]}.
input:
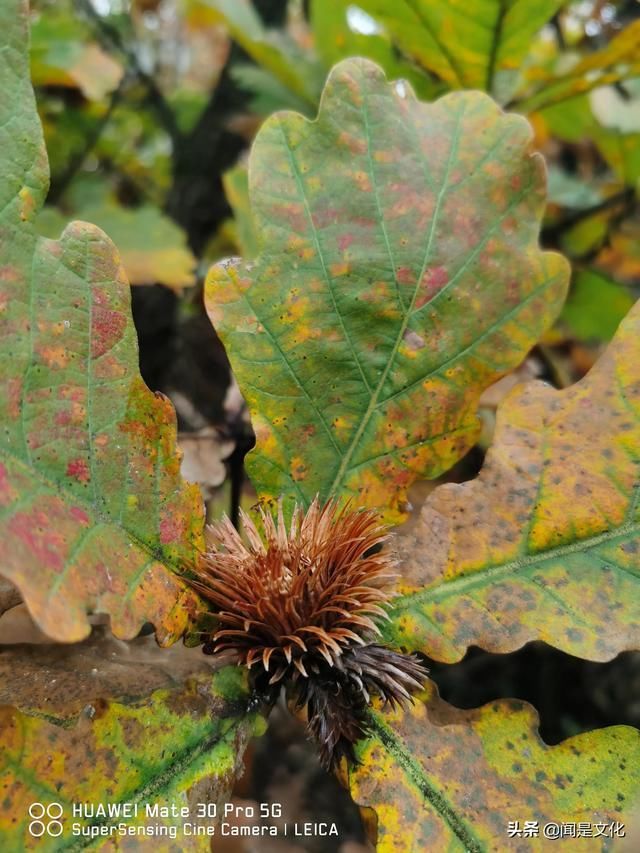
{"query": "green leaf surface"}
{"type": "Point", "coordinates": [545, 543]}
{"type": "Point", "coordinates": [336, 36]}
{"type": "Point", "coordinates": [596, 306]}
{"type": "Point", "coordinates": [399, 276]}
{"type": "Point", "coordinates": [583, 239]}
{"type": "Point", "coordinates": [622, 152]}
{"type": "Point", "coordinates": [152, 247]}
{"type": "Point", "coordinates": [174, 747]}
{"type": "Point", "coordinates": [236, 188]}
{"type": "Point", "coordinates": [272, 49]}
{"type": "Point", "coordinates": [267, 92]}
{"type": "Point", "coordinates": [444, 779]}
{"type": "Point", "coordinates": [467, 43]}
{"type": "Point", "coordinates": [94, 516]}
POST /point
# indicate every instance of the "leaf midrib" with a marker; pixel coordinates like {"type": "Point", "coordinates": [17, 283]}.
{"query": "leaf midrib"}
{"type": "Point", "coordinates": [415, 773]}
{"type": "Point", "coordinates": [455, 586]}
{"type": "Point", "coordinates": [373, 401]}
{"type": "Point", "coordinates": [166, 778]}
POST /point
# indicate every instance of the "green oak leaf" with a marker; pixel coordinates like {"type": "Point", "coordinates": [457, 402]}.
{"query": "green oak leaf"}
{"type": "Point", "coordinates": [94, 517]}
{"type": "Point", "coordinates": [399, 275]}
{"type": "Point", "coordinates": [473, 44]}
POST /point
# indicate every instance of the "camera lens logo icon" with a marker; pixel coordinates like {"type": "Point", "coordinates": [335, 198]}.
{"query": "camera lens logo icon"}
{"type": "Point", "coordinates": [45, 820]}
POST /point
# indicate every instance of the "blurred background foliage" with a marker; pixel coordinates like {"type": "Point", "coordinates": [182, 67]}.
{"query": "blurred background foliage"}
{"type": "Point", "coordinates": [149, 108]}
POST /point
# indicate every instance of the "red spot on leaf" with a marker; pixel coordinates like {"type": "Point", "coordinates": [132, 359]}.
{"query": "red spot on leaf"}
{"type": "Point", "coordinates": [513, 293]}
{"type": "Point", "coordinates": [401, 477]}
{"type": "Point", "coordinates": [14, 394]}
{"type": "Point", "coordinates": [34, 529]}
{"type": "Point", "coordinates": [79, 470]}
{"type": "Point", "coordinates": [433, 281]}
{"type": "Point", "coordinates": [293, 213]}
{"type": "Point", "coordinates": [325, 216]}
{"type": "Point", "coordinates": [353, 143]}
{"type": "Point", "coordinates": [344, 241]}
{"type": "Point", "coordinates": [10, 274]}
{"type": "Point", "coordinates": [107, 329]}
{"type": "Point", "coordinates": [406, 275]}
{"type": "Point", "coordinates": [170, 530]}
{"type": "Point", "coordinates": [72, 392]}
{"type": "Point", "coordinates": [79, 515]}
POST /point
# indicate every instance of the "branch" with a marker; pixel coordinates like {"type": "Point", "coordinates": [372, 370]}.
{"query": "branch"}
{"type": "Point", "coordinates": [556, 23]}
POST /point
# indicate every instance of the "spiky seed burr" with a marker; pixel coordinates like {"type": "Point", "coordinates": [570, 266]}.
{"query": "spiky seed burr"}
{"type": "Point", "coordinates": [299, 606]}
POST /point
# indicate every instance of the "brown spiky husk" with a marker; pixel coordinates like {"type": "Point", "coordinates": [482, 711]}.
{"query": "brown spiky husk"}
{"type": "Point", "coordinates": [299, 605]}
{"type": "Point", "coordinates": [337, 701]}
